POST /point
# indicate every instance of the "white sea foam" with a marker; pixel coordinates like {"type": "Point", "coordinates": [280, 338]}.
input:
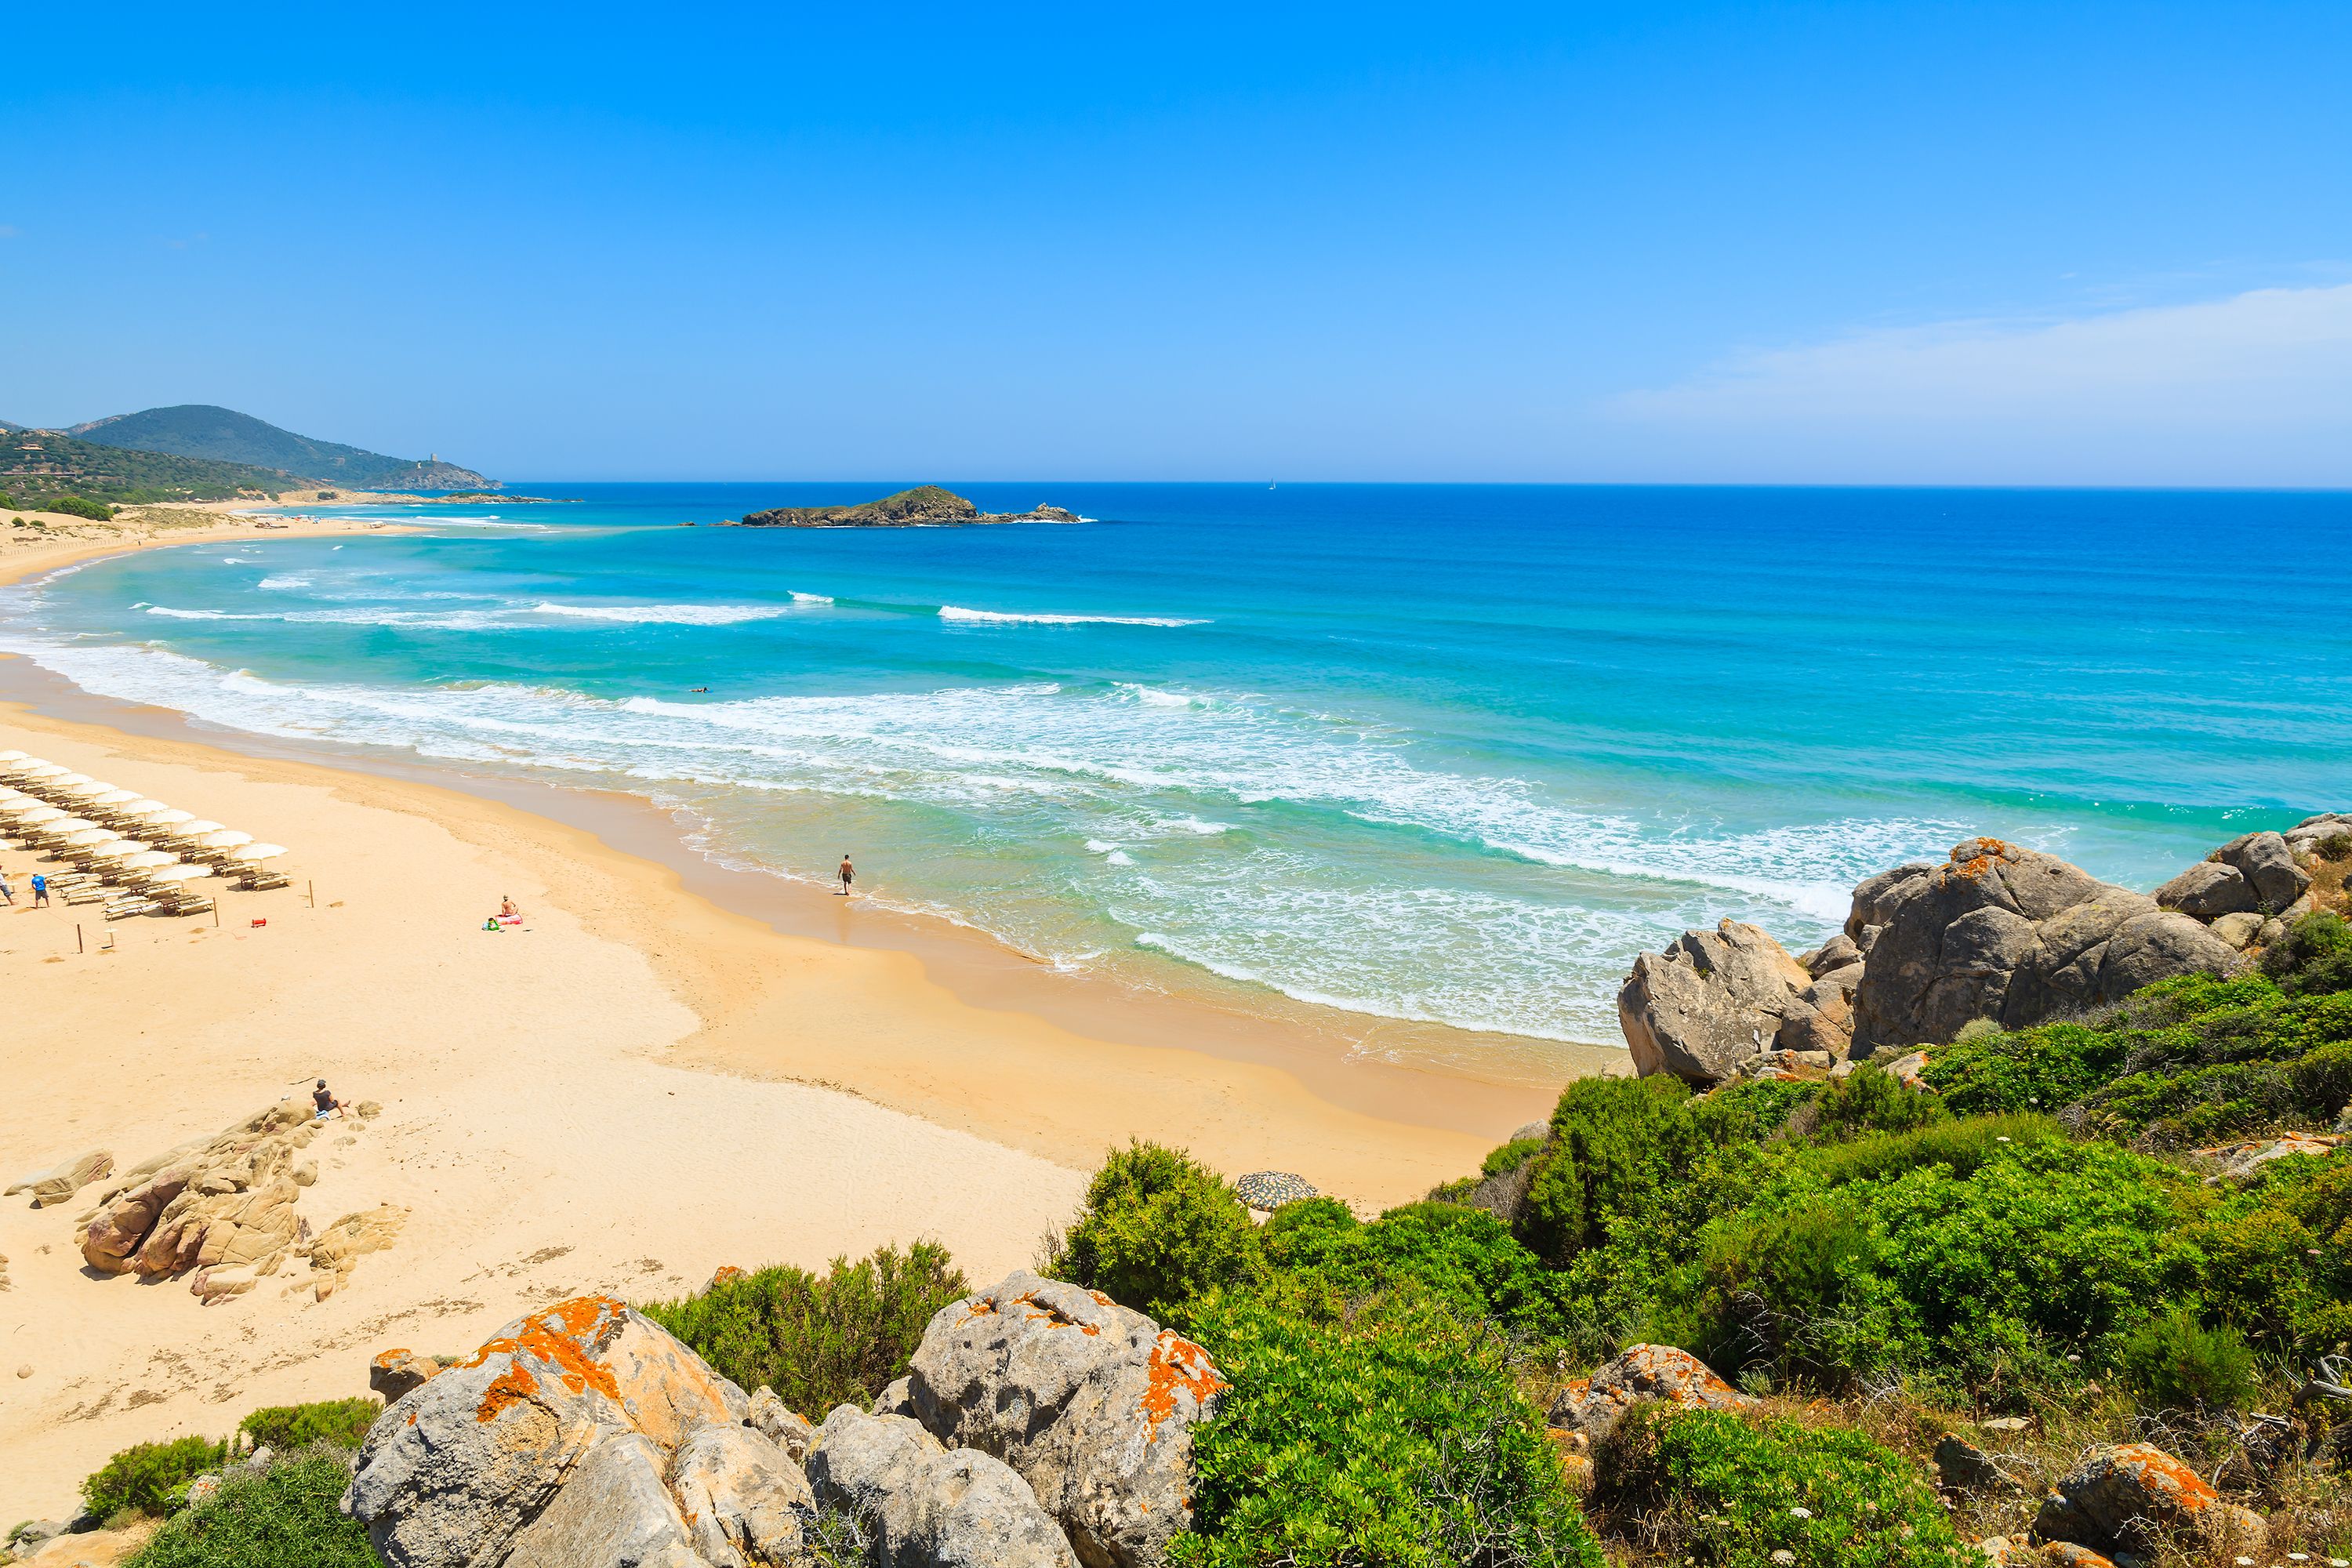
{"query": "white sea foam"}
{"type": "Point", "coordinates": [800, 598]}
{"type": "Point", "coordinates": [957, 613]}
{"type": "Point", "coordinates": [664, 615]}
{"type": "Point", "coordinates": [1320, 899]}
{"type": "Point", "coordinates": [284, 583]}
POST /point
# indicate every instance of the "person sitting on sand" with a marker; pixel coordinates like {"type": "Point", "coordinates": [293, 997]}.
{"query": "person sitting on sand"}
{"type": "Point", "coordinates": [326, 1102]}
{"type": "Point", "coordinates": [848, 874]}
{"type": "Point", "coordinates": [507, 910]}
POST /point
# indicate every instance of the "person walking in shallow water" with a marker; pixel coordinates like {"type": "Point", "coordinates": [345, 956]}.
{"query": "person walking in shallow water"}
{"type": "Point", "coordinates": [848, 874]}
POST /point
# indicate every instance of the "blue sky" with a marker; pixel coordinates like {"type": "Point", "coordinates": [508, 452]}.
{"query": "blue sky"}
{"type": "Point", "coordinates": [1867, 242]}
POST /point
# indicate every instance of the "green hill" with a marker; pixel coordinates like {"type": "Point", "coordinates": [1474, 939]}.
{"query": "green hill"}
{"type": "Point", "coordinates": [37, 465]}
{"type": "Point", "coordinates": [225, 436]}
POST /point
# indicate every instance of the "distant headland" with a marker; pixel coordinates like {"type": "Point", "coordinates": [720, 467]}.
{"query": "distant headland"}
{"type": "Point", "coordinates": [924, 506]}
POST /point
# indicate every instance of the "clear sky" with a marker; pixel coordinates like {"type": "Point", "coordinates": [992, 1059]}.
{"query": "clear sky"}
{"type": "Point", "coordinates": [2074, 243]}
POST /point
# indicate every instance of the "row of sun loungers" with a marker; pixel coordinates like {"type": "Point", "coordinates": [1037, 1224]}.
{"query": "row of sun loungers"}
{"type": "Point", "coordinates": [130, 855]}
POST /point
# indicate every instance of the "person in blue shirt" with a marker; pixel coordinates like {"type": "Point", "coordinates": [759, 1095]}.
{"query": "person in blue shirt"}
{"type": "Point", "coordinates": [41, 891]}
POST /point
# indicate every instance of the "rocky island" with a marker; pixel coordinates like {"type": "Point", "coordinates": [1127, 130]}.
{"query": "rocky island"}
{"type": "Point", "coordinates": [924, 506]}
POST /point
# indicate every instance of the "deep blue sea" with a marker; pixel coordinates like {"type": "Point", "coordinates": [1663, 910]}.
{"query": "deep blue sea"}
{"type": "Point", "coordinates": [1444, 753]}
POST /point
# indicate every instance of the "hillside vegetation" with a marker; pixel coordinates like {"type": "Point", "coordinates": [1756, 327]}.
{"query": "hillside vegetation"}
{"type": "Point", "coordinates": [39, 466]}
{"type": "Point", "coordinates": [225, 436]}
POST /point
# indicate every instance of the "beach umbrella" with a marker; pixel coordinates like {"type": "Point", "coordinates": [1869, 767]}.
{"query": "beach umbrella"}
{"type": "Point", "coordinates": [38, 817]}
{"type": "Point", "coordinates": [178, 873]}
{"type": "Point", "coordinates": [13, 756]}
{"type": "Point", "coordinates": [150, 860]}
{"type": "Point", "coordinates": [65, 825]}
{"type": "Point", "coordinates": [196, 827]}
{"type": "Point", "coordinates": [82, 837]}
{"type": "Point", "coordinates": [114, 800]}
{"type": "Point", "coordinates": [88, 789]}
{"type": "Point", "coordinates": [227, 838]}
{"type": "Point", "coordinates": [115, 848]}
{"type": "Point", "coordinates": [43, 772]}
{"type": "Point", "coordinates": [143, 809]}
{"type": "Point", "coordinates": [169, 818]}
{"type": "Point", "coordinates": [252, 854]}
{"type": "Point", "coordinates": [66, 781]}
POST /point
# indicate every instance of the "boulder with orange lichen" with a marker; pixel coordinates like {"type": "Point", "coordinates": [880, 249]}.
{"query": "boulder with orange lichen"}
{"type": "Point", "coordinates": [2003, 933]}
{"type": "Point", "coordinates": [1713, 1001]}
{"type": "Point", "coordinates": [1591, 1405]}
{"type": "Point", "coordinates": [1092, 1402]}
{"type": "Point", "coordinates": [455, 1468]}
{"type": "Point", "coordinates": [2135, 1497]}
{"type": "Point", "coordinates": [393, 1373]}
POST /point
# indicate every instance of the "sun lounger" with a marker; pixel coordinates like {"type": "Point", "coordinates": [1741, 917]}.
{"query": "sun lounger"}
{"type": "Point", "coordinates": [86, 896]}
{"type": "Point", "coordinates": [262, 881]}
{"type": "Point", "coordinates": [195, 906]}
{"type": "Point", "coordinates": [125, 908]}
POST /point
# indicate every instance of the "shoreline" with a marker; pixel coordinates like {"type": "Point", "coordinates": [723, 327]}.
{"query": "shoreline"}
{"type": "Point", "coordinates": [641, 1084]}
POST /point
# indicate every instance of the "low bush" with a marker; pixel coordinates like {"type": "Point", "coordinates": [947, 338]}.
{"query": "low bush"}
{"type": "Point", "coordinates": [286, 1427]}
{"type": "Point", "coordinates": [2314, 958]}
{"type": "Point", "coordinates": [1159, 1229]}
{"type": "Point", "coordinates": [1983, 1269]}
{"type": "Point", "coordinates": [2190, 1060]}
{"type": "Point", "coordinates": [2174, 1362]}
{"type": "Point", "coordinates": [144, 1478]}
{"type": "Point", "coordinates": [1511, 1156]}
{"type": "Point", "coordinates": [1733, 1491]}
{"type": "Point", "coordinates": [285, 1517]}
{"type": "Point", "coordinates": [2276, 1257]}
{"type": "Point", "coordinates": [1617, 1143]}
{"type": "Point", "coordinates": [1375, 1433]}
{"type": "Point", "coordinates": [818, 1340]}
{"type": "Point", "coordinates": [1463, 1256]}
{"type": "Point", "coordinates": [76, 506]}
{"type": "Point", "coordinates": [1872, 1099]}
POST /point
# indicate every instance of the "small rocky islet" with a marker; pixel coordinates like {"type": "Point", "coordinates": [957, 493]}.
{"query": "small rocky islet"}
{"type": "Point", "coordinates": [924, 506]}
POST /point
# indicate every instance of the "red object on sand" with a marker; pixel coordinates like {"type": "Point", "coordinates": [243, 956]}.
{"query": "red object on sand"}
{"type": "Point", "coordinates": [261, 922]}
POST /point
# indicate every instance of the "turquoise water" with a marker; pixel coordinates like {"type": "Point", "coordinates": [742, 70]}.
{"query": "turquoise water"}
{"type": "Point", "coordinates": [1450, 753]}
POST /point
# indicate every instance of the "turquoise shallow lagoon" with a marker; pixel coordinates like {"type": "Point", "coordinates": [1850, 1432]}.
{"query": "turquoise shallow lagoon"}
{"type": "Point", "coordinates": [1442, 752]}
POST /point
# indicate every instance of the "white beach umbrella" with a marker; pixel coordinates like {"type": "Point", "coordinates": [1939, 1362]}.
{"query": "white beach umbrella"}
{"type": "Point", "coordinates": [196, 827]}
{"type": "Point", "coordinates": [13, 756]}
{"type": "Point", "coordinates": [150, 860]}
{"type": "Point", "coordinates": [88, 789]}
{"type": "Point", "coordinates": [177, 873]}
{"type": "Point", "coordinates": [67, 780]}
{"type": "Point", "coordinates": [18, 805]}
{"type": "Point", "coordinates": [227, 838]}
{"type": "Point", "coordinates": [41, 773]}
{"type": "Point", "coordinates": [170, 818]}
{"type": "Point", "coordinates": [40, 817]}
{"type": "Point", "coordinates": [252, 854]}
{"type": "Point", "coordinates": [83, 838]}
{"type": "Point", "coordinates": [113, 800]}
{"type": "Point", "coordinates": [115, 848]}
{"type": "Point", "coordinates": [66, 825]}
{"type": "Point", "coordinates": [142, 808]}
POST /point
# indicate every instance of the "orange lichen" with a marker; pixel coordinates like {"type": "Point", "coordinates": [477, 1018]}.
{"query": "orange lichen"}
{"type": "Point", "coordinates": [726, 1275]}
{"type": "Point", "coordinates": [391, 1358]}
{"type": "Point", "coordinates": [1176, 1364]}
{"type": "Point", "coordinates": [2166, 1477]}
{"type": "Point", "coordinates": [557, 1338]}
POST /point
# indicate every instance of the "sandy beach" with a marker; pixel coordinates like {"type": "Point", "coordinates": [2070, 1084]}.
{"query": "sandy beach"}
{"type": "Point", "coordinates": [638, 1086]}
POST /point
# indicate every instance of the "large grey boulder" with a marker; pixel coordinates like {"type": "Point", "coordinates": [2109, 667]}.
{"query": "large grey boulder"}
{"type": "Point", "coordinates": [2305, 838]}
{"type": "Point", "coordinates": [2007, 933]}
{"type": "Point", "coordinates": [1092, 1402]}
{"type": "Point", "coordinates": [1714, 999]}
{"type": "Point", "coordinates": [452, 1472]}
{"type": "Point", "coordinates": [2268, 865]}
{"type": "Point", "coordinates": [925, 1505]}
{"type": "Point", "coordinates": [2208, 890]}
{"type": "Point", "coordinates": [742, 1498]}
{"type": "Point", "coordinates": [611, 1512]}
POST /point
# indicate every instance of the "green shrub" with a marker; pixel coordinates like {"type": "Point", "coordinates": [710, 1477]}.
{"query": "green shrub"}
{"type": "Point", "coordinates": [1463, 1256]}
{"type": "Point", "coordinates": [1730, 1490]}
{"type": "Point", "coordinates": [2314, 958]}
{"type": "Point", "coordinates": [286, 1516]}
{"type": "Point", "coordinates": [1510, 1156]}
{"type": "Point", "coordinates": [1159, 1229]}
{"type": "Point", "coordinates": [76, 506]}
{"type": "Point", "coordinates": [818, 1340]}
{"type": "Point", "coordinates": [142, 1478]}
{"type": "Point", "coordinates": [2174, 1362]}
{"type": "Point", "coordinates": [1872, 1099]}
{"type": "Point", "coordinates": [2277, 1257]}
{"type": "Point", "coordinates": [1380, 1433]}
{"type": "Point", "coordinates": [1986, 1273]}
{"type": "Point", "coordinates": [286, 1427]}
{"type": "Point", "coordinates": [1617, 1143]}
{"type": "Point", "coordinates": [1960, 1146]}
{"type": "Point", "coordinates": [1751, 1109]}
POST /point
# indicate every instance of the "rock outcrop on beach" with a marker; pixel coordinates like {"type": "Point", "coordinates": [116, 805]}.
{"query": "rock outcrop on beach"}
{"type": "Point", "coordinates": [63, 1180]}
{"type": "Point", "coordinates": [1593, 1405]}
{"type": "Point", "coordinates": [1996, 932]}
{"type": "Point", "coordinates": [2013, 935]}
{"type": "Point", "coordinates": [924, 506]}
{"type": "Point", "coordinates": [1042, 1427]}
{"type": "Point", "coordinates": [222, 1208]}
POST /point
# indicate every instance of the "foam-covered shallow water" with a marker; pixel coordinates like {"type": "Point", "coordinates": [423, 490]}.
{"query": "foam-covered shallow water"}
{"type": "Point", "coordinates": [1445, 753]}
